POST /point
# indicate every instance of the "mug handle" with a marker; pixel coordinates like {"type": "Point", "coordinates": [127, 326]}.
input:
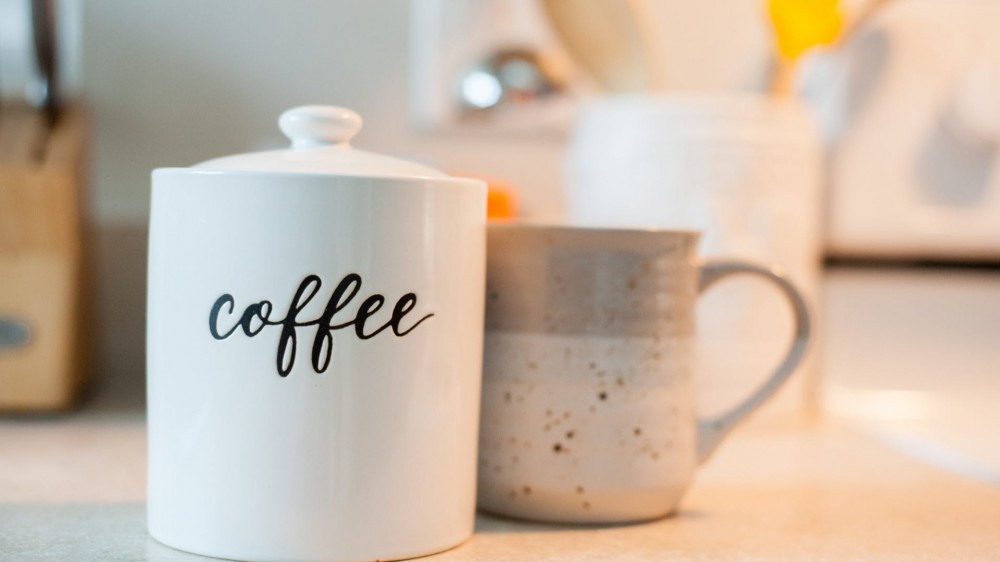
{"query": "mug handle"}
{"type": "Point", "coordinates": [713, 430]}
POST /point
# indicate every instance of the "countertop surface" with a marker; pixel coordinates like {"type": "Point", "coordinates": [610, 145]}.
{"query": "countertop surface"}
{"type": "Point", "coordinates": [904, 465]}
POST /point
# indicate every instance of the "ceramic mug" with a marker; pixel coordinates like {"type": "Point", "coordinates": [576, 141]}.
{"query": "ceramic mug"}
{"type": "Point", "coordinates": [314, 352]}
{"type": "Point", "coordinates": [588, 385]}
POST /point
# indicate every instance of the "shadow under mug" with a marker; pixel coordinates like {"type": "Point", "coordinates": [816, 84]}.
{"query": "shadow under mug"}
{"type": "Point", "coordinates": [588, 404]}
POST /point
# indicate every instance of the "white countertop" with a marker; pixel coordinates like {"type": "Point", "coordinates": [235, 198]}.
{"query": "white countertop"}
{"type": "Point", "coordinates": [907, 466]}
{"type": "Point", "coordinates": [914, 356]}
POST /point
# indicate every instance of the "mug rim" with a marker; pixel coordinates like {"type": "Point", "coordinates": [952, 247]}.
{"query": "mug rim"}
{"type": "Point", "coordinates": [563, 228]}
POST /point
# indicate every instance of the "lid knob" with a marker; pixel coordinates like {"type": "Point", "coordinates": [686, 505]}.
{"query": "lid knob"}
{"type": "Point", "coordinates": [319, 125]}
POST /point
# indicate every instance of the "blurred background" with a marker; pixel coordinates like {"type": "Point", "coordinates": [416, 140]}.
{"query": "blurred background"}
{"type": "Point", "coordinates": [176, 83]}
{"type": "Point", "coordinates": [862, 133]}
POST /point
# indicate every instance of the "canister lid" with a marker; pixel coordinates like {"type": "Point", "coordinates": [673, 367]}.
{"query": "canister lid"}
{"type": "Point", "coordinates": [320, 136]}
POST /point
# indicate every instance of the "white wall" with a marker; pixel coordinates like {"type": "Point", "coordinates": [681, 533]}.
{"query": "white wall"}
{"type": "Point", "coordinates": [173, 83]}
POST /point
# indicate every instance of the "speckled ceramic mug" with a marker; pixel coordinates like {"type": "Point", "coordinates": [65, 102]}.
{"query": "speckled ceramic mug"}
{"type": "Point", "coordinates": [588, 405]}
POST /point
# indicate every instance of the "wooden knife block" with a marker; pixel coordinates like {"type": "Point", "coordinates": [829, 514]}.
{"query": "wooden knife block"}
{"type": "Point", "coordinates": [44, 362]}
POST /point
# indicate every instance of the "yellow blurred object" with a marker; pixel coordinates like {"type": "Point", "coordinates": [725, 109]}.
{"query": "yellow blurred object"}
{"type": "Point", "coordinates": [800, 25]}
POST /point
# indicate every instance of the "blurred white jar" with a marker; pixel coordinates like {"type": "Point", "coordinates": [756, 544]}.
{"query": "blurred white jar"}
{"type": "Point", "coordinates": [745, 170]}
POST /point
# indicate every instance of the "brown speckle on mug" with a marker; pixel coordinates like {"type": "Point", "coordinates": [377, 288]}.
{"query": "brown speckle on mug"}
{"type": "Point", "coordinates": [579, 489]}
{"type": "Point", "coordinates": [526, 490]}
{"type": "Point", "coordinates": [602, 396]}
{"type": "Point", "coordinates": [570, 434]}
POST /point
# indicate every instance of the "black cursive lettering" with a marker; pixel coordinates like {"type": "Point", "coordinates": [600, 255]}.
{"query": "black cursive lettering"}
{"type": "Point", "coordinates": [405, 304]}
{"type": "Point", "coordinates": [257, 316]}
{"type": "Point", "coordinates": [371, 305]}
{"type": "Point", "coordinates": [260, 311]}
{"type": "Point", "coordinates": [213, 316]}
{"type": "Point", "coordinates": [287, 345]}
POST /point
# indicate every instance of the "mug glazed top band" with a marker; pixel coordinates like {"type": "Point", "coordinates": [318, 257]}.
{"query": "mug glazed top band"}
{"type": "Point", "coordinates": [607, 282]}
{"type": "Point", "coordinates": [593, 235]}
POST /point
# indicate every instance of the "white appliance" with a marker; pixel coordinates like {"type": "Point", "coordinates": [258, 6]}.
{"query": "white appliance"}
{"type": "Point", "coordinates": [913, 108]}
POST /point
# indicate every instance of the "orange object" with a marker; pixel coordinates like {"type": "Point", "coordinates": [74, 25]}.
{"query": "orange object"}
{"type": "Point", "coordinates": [501, 202]}
{"type": "Point", "coordinates": [501, 197]}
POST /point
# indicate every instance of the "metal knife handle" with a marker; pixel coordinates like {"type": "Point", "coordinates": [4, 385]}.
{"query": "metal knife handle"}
{"type": "Point", "coordinates": [44, 30]}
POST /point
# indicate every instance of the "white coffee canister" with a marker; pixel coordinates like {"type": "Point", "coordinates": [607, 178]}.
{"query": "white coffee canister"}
{"type": "Point", "coordinates": [314, 351]}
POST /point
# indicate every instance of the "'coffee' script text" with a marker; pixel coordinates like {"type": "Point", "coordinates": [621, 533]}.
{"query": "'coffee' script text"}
{"type": "Point", "coordinates": [257, 316]}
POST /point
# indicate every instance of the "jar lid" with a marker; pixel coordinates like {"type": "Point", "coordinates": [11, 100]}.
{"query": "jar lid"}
{"type": "Point", "coordinates": [320, 136]}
